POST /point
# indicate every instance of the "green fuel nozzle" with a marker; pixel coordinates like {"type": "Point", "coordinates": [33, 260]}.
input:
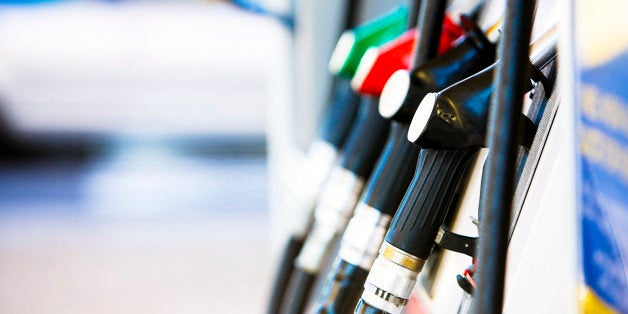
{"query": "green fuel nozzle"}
{"type": "Point", "coordinates": [354, 42]}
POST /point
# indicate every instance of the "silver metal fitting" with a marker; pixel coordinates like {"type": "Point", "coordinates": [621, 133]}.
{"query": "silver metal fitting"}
{"type": "Point", "coordinates": [391, 279]}
{"type": "Point", "coordinates": [319, 162]}
{"type": "Point", "coordinates": [338, 198]}
{"type": "Point", "coordinates": [316, 247]}
{"type": "Point", "coordinates": [364, 236]}
{"type": "Point", "coordinates": [321, 157]}
{"type": "Point", "coordinates": [337, 202]}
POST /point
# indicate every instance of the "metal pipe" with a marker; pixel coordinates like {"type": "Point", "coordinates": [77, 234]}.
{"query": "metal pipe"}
{"type": "Point", "coordinates": [499, 179]}
{"type": "Point", "coordinates": [414, 13]}
{"type": "Point", "coordinates": [430, 23]}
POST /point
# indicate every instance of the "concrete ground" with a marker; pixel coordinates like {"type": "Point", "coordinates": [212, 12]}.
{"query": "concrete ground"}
{"type": "Point", "coordinates": [142, 231]}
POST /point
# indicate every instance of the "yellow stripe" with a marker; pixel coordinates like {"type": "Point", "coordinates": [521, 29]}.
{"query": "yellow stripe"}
{"type": "Point", "coordinates": [590, 303]}
{"type": "Point", "coordinates": [401, 258]}
{"type": "Point", "coordinates": [494, 27]}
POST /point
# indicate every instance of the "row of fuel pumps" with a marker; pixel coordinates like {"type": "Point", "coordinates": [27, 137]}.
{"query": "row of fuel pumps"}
{"type": "Point", "coordinates": [414, 182]}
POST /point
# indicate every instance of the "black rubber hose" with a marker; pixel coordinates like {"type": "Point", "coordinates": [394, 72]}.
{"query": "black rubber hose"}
{"type": "Point", "coordinates": [430, 19]}
{"type": "Point", "coordinates": [415, 6]}
{"type": "Point", "coordinates": [282, 278]}
{"type": "Point", "coordinates": [340, 115]}
{"type": "Point", "coordinates": [346, 284]}
{"type": "Point", "coordinates": [352, 7]}
{"type": "Point", "coordinates": [499, 179]}
{"type": "Point", "coordinates": [301, 283]}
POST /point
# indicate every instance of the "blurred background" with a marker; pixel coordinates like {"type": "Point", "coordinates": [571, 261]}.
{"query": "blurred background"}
{"type": "Point", "coordinates": [133, 154]}
{"type": "Point", "coordinates": [145, 146]}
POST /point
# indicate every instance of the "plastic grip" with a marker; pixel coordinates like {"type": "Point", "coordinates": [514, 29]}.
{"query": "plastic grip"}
{"type": "Point", "coordinates": [366, 140]}
{"type": "Point", "coordinates": [342, 289]}
{"type": "Point", "coordinates": [340, 115]}
{"type": "Point", "coordinates": [393, 172]}
{"type": "Point", "coordinates": [286, 267]}
{"type": "Point", "coordinates": [433, 191]}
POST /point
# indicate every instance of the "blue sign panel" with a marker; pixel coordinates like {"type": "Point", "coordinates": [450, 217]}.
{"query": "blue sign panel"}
{"type": "Point", "coordinates": [603, 186]}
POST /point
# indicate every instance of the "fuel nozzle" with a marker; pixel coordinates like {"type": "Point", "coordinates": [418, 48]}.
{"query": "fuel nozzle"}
{"type": "Point", "coordinates": [378, 63]}
{"type": "Point", "coordinates": [449, 126]}
{"type": "Point", "coordinates": [353, 43]}
{"type": "Point", "coordinates": [459, 114]}
{"type": "Point", "coordinates": [405, 89]}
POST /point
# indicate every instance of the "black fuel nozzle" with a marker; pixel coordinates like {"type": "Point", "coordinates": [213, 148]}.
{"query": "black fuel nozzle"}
{"type": "Point", "coordinates": [450, 128]}
{"type": "Point", "coordinates": [342, 288]}
{"type": "Point", "coordinates": [405, 89]}
{"type": "Point", "coordinates": [456, 117]}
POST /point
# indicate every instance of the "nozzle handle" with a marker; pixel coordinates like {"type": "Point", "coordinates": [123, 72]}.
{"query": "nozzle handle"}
{"type": "Point", "coordinates": [286, 267]}
{"type": "Point", "coordinates": [301, 284]}
{"type": "Point", "coordinates": [434, 190]}
{"type": "Point", "coordinates": [394, 171]}
{"type": "Point", "coordinates": [366, 140]}
{"type": "Point", "coordinates": [459, 116]}
{"type": "Point", "coordinates": [471, 55]}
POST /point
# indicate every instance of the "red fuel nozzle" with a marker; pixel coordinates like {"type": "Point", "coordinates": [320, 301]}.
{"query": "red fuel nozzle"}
{"type": "Point", "coordinates": [451, 32]}
{"type": "Point", "coordinates": [379, 63]}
